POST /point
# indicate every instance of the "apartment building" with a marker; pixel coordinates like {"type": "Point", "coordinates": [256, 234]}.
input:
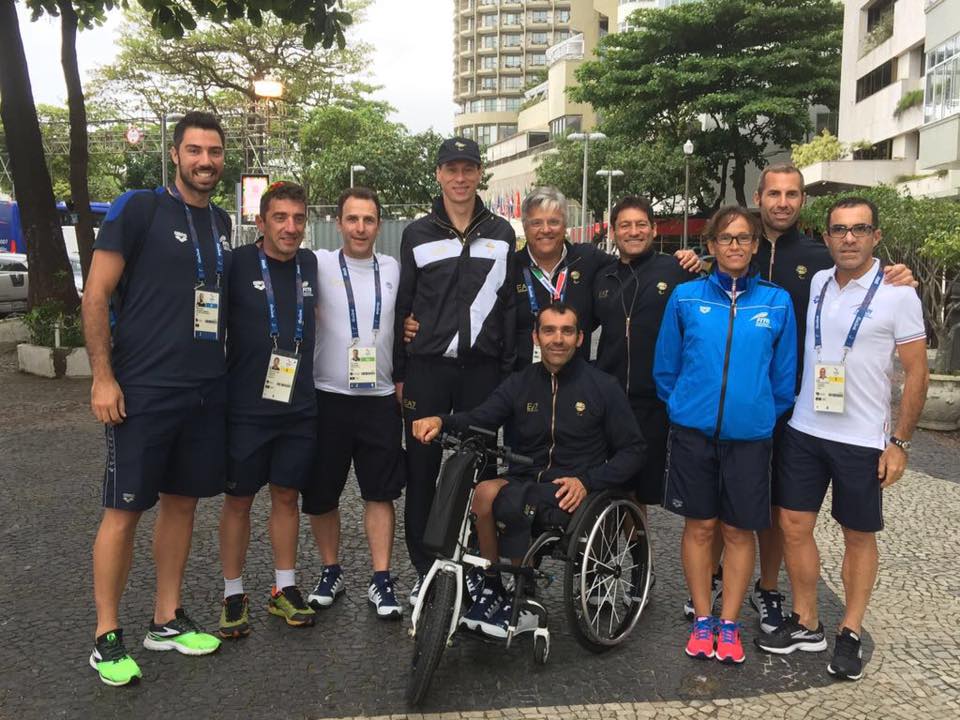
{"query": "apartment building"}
{"type": "Point", "coordinates": [899, 99]}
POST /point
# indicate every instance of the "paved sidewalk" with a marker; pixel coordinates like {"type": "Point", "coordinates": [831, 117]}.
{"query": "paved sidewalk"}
{"type": "Point", "coordinates": [351, 664]}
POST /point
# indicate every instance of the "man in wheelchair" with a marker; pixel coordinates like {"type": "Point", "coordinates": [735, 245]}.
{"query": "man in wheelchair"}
{"type": "Point", "coordinates": [574, 421]}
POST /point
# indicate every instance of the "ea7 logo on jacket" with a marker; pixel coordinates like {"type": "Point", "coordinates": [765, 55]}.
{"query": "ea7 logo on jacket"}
{"type": "Point", "coordinates": [258, 285]}
{"type": "Point", "coordinates": [761, 320]}
{"type": "Point", "coordinates": [181, 236]}
{"type": "Point", "coordinates": [533, 407]}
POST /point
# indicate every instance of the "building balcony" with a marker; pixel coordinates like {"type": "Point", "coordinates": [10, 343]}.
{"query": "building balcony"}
{"type": "Point", "coordinates": [940, 143]}
{"type": "Point", "coordinates": [831, 177]}
{"type": "Point", "coordinates": [486, 71]}
{"type": "Point", "coordinates": [487, 50]}
{"type": "Point", "coordinates": [488, 29]}
{"type": "Point", "coordinates": [511, 49]}
{"type": "Point", "coordinates": [569, 49]}
{"type": "Point", "coordinates": [508, 70]}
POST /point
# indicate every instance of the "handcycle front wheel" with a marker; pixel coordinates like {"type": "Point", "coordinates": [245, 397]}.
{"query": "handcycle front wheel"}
{"type": "Point", "coordinates": [433, 627]}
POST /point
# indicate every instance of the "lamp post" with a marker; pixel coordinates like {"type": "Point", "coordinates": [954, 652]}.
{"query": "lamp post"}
{"type": "Point", "coordinates": [265, 90]}
{"type": "Point", "coordinates": [355, 169]}
{"type": "Point", "coordinates": [586, 138]}
{"type": "Point", "coordinates": [610, 175]}
{"type": "Point", "coordinates": [687, 152]}
{"type": "Point", "coordinates": [164, 150]}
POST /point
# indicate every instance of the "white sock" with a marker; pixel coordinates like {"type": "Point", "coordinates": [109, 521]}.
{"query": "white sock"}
{"type": "Point", "coordinates": [232, 587]}
{"type": "Point", "coordinates": [285, 578]}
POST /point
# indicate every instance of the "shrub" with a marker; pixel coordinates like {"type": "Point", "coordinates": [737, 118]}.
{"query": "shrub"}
{"type": "Point", "coordinates": [42, 320]}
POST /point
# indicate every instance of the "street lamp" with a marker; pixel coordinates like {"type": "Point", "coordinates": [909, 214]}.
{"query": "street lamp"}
{"type": "Point", "coordinates": [355, 169]}
{"type": "Point", "coordinates": [164, 150]}
{"type": "Point", "coordinates": [586, 138]}
{"type": "Point", "coordinates": [610, 175]}
{"type": "Point", "coordinates": [687, 153]}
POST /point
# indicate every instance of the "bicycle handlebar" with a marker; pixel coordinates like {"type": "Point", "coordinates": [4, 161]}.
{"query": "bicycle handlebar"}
{"type": "Point", "coordinates": [499, 452]}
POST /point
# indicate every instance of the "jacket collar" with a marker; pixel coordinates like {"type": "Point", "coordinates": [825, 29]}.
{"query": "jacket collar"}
{"type": "Point", "coordinates": [790, 236]}
{"type": "Point", "coordinates": [570, 370]}
{"type": "Point", "coordinates": [440, 216]}
{"type": "Point", "coordinates": [725, 282]}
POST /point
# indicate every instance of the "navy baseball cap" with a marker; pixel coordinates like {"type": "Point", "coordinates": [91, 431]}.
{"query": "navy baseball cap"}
{"type": "Point", "coordinates": [458, 148]}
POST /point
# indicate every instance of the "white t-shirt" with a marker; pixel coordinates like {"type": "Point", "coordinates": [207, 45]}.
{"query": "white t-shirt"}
{"type": "Point", "coordinates": [330, 366]}
{"type": "Point", "coordinates": [895, 316]}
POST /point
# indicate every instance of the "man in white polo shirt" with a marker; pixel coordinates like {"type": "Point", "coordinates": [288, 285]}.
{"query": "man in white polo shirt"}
{"type": "Point", "coordinates": [840, 431]}
{"type": "Point", "coordinates": [358, 414]}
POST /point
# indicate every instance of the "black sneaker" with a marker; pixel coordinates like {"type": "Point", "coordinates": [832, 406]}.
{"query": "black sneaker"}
{"type": "Point", "coordinates": [716, 597]}
{"type": "Point", "coordinates": [847, 663]}
{"type": "Point", "coordinates": [790, 636]}
{"type": "Point", "coordinates": [384, 599]}
{"type": "Point", "coordinates": [769, 604]}
{"type": "Point", "coordinates": [474, 581]}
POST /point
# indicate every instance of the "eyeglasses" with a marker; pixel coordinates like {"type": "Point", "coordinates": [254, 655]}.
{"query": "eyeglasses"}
{"type": "Point", "coordinates": [552, 223]}
{"type": "Point", "coordinates": [641, 225]}
{"type": "Point", "coordinates": [742, 239]}
{"type": "Point", "coordinates": [860, 230]}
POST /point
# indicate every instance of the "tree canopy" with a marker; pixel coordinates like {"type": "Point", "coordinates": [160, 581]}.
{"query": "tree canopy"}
{"type": "Point", "coordinates": [734, 75]}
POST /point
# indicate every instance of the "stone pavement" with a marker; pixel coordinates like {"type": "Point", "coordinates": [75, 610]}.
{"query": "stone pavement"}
{"type": "Point", "coordinates": [351, 664]}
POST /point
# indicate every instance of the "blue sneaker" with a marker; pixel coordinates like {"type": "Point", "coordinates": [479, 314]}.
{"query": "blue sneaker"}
{"type": "Point", "coordinates": [497, 624]}
{"type": "Point", "coordinates": [327, 588]}
{"type": "Point", "coordinates": [490, 600]}
{"type": "Point", "coordinates": [415, 592]}
{"type": "Point", "coordinates": [474, 581]}
{"type": "Point", "coordinates": [382, 596]}
{"type": "Point", "coordinates": [769, 604]}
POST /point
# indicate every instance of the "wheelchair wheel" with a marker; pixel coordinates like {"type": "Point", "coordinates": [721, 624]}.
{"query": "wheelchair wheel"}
{"type": "Point", "coordinates": [430, 641]}
{"type": "Point", "coordinates": [607, 573]}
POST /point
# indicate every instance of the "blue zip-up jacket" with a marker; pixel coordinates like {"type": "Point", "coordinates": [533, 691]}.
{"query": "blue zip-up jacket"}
{"type": "Point", "coordinates": [727, 368]}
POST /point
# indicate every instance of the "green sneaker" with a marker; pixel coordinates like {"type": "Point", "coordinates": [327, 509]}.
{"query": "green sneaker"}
{"type": "Point", "coordinates": [181, 634]}
{"type": "Point", "coordinates": [110, 659]}
{"type": "Point", "coordinates": [235, 617]}
{"type": "Point", "coordinates": [289, 604]}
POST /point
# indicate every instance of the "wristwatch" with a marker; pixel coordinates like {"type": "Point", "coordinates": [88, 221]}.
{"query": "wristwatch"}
{"type": "Point", "coordinates": [902, 444]}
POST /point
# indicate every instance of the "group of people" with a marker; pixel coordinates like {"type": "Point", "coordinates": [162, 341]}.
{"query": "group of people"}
{"type": "Point", "coordinates": [300, 364]}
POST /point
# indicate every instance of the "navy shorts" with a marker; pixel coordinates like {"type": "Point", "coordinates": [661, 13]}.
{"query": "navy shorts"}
{"type": "Point", "coordinates": [726, 479]}
{"type": "Point", "coordinates": [281, 452]}
{"type": "Point", "coordinates": [515, 508]}
{"type": "Point", "coordinates": [647, 484]}
{"type": "Point", "coordinates": [180, 449]}
{"type": "Point", "coordinates": [808, 464]}
{"type": "Point", "coordinates": [362, 429]}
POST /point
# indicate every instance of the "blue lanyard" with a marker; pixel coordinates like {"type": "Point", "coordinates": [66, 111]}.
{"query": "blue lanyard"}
{"type": "Point", "coordinates": [201, 275]}
{"type": "Point", "coordinates": [354, 325]}
{"type": "Point", "coordinates": [857, 320]}
{"type": "Point", "coordinates": [558, 292]}
{"type": "Point", "coordinates": [272, 301]}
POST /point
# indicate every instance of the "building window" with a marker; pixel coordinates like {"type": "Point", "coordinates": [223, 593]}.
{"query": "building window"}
{"type": "Point", "coordinates": [512, 61]}
{"type": "Point", "coordinates": [505, 131]}
{"type": "Point", "coordinates": [486, 134]}
{"type": "Point", "coordinates": [511, 83]}
{"type": "Point", "coordinates": [488, 83]}
{"type": "Point", "coordinates": [560, 35]}
{"type": "Point", "coordinates": [539, 16]}
{"type": "Point", "coordinates": [563, 16]}
{"type": "Point", "coordinates": [468, 132]}
{"type": "Point", "coordinates": [536, 59]}
{"type": "Point", "coordinates": [487, 2]}
{"type": "Point", "coordinates": [510, 19]}
{"type": "Point", "coordinates": [512, 40]}
{"type": "Point", "coordinates": [489, 42]}
{"type": "Point", "coordinates": [489, 21]}
{"type": "Point", "coordinates": [942, 92]}
{"type": "Point", "coordinates": [537, 38]}
{"type": "Point", "coordinates": [489, 63]}
{"type": "Point", "coordinates": [876, 79]}
{"type": "Point", "coordinates": [881, 151]}
{"type": "Point", "coordinates": [877, 13]}
{"type": "Point", "coordinates": [512, 104]}
{"type": "Point", "coordinates": [566, 124]}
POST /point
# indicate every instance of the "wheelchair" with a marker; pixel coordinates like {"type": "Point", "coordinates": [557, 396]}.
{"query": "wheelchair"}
{"type": "Point", "coordinates": [603, 547]}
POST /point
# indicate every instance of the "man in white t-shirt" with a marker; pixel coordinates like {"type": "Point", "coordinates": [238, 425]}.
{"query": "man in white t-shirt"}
{"type": "Point", "coordinates": [359, 417]}
{"type": "Point", "coordinates": [840, 432]}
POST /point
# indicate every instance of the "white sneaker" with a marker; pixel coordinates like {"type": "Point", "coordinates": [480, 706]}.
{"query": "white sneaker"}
{"type": "Point", "coordinates": [384, 599]}
{"type": "Point", "coordinates": [415, 592]}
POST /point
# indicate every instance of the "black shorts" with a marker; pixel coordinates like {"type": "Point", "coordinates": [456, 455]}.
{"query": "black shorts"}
{"type": "Point", "coordinates": [516, 507]}
{"type": "Point", "coordinates": [180, 451]}
{"type": "Point", "coordinates": [808, 464]}
{"type": "Point", "coordinates": [280, 452]}
{"type": "Point", "coordinates": [367, 430]}
{"type": "Point", "coordinates": [647, 484]}
{"type": "Point", "coordinates": [726, 479]}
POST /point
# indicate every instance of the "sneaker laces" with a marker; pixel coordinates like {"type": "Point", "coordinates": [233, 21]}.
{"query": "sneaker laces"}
{"type": "Point", "coordinates": [234, 607]}
{"type": "Point", "coordinates": [847, 646]}
{"type": "Point", "coordinates": [112, 651]}
{"type": "Point", "coordinates": [387, 594]}
{"type": "Point", "coordinates": [728, 632]}
{"type": "Point", "coordinates": [183, 623]}
{"type": "Point", "coordinates": [293, 595]}
{"type": "Point", "coordinates": [703, 629]}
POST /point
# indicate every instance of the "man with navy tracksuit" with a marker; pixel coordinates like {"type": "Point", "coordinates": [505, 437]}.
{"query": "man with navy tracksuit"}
{"type": "Point", "coordinates": [725, 365]}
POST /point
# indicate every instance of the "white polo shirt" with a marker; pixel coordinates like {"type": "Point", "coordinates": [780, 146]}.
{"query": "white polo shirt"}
{"type": "Point", "coordinates": [330, 368]}
{"type": "Point", "coordinates": [895, 316]}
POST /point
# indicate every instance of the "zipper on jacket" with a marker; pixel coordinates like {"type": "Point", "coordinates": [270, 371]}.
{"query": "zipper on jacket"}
{"type": "Point", "coordinates": [726, 359]}
{"type": "Point", "coordinates": [773, 253]}
{"type": "Point", "coordinates": [553, 425]}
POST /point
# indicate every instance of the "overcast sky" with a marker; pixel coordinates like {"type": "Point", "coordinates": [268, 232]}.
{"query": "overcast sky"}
{"type": "Point", "coordinates": [412, 57]}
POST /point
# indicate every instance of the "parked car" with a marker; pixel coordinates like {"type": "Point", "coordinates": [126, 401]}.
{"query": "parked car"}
{"type": "Point", "coordinates": [13, 283]}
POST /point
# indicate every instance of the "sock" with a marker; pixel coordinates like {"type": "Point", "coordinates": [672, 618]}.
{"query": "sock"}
{"type": "Point", "coordinates": [285, 578]}
{"type": "Point", "coordinates": [381, 576]}
{"type": "Point", "coordinates": [232, 587]}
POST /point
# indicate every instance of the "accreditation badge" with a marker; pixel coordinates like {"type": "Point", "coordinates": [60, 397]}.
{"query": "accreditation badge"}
{"type": "Point", "coordinates": [362, 367]}
{"type": "Point", "coordinates": [828, 387]}
{"type": "Point", "coordinates": [537, 354]}
{"type": "Point", "coordinates": [281, 376]}
{"type": "Point", "coordinates": [206, 314]}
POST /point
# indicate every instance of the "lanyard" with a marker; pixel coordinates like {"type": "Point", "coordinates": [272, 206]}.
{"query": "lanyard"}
{"type": "Point", "coordinates": [272, 301]}
{"type": "Point", "coordinates": [857, 320]}
{"type": "Point", "coordinates": [201, 275]}
{"type": "Point", "coordinates": [556, 292]}
{"type": "Point", "coordinates": [348, 286]}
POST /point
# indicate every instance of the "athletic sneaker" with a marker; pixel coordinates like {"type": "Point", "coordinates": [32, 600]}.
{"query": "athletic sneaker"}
{"type": "Point", "coordinates": [181, 634]}
{"type": "Point", "coordinates": [415, 592]}
{"type": "Point", "coordinates": [288, 603]}
{"type": "Point", "coordinates": [790, 636]}
{"type": "Point", "coordinates": [491, 598]}
{"type": "Point", "coordinates": [497, 624]}
{"type": "Point", "coordinates": [700, 644]}
{"type": "Point", "coordinates": [235, 617]}
{"type": "Point", "coordinates": [847, 663]}
{"type": "Point", "coordinates": [716, 597]}
{"type": "Point", "coordinates": [384, 599]}
{"type": "Point", "coordinates": [327, 588]}
{"type": "Point", "coordinates": [729, 647]}
{"type": "Point", "coordinates": [110, 659]}
{"type": "Point", "coordinates": [769, 603]}
{"type": "Point", "coordinates": [474, 581]}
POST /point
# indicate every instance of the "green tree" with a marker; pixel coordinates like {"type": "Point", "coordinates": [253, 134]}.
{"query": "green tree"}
{"type": "Point", "coordinates": [823, 148]}
{"type": "Point", "coordinates": [654, 170]}
{"type": "Point", "coordinates": [748, 69]}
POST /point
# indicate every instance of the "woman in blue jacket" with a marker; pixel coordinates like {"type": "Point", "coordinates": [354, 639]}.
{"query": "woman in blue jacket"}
{"type": "Point", "coordinates": [725, 366]}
